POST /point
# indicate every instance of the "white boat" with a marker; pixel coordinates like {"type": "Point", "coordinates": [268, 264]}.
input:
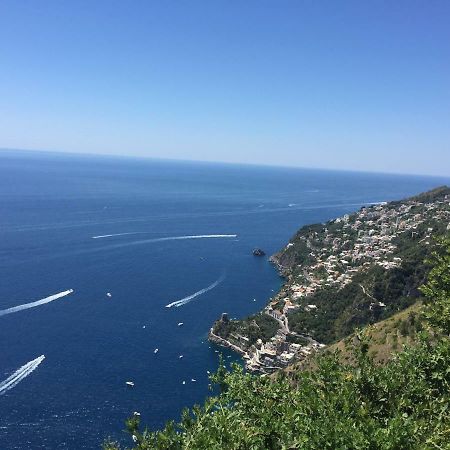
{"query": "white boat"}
{"type": "Point", "coordinates": [180, 324]}
{"type": "Point", "coordinates": [184, 382]}
{"type": "Point", "coordinates": [129, 383]}
{"type": "Point", "coordinates": [193, 380]}
{"type": "Point", "coordinates": [108, 294]}
{"type": "Point", "coordinates": [156, 350]}
{"type": "Point", "coordinates": [180, 356]}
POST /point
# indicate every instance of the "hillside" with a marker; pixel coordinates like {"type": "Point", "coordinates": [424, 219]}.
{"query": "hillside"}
{"type": "Point", "coordinates": [402, 404]}
{"type": "Point", "coordinates": [349, 272]}
{"type": "Point", "coordinates": [384, 339]}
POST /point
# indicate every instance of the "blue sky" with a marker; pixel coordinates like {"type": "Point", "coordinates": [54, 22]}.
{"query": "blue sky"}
{"type": "Point", "coordinates": [362, 85]}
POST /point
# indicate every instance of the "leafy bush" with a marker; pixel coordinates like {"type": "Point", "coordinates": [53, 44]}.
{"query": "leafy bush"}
{"type": "Point", "coordinates": [438, 288]}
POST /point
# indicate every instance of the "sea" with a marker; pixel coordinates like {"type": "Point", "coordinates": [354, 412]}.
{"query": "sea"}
{"type": "Point", "coordinates": [93, 250]}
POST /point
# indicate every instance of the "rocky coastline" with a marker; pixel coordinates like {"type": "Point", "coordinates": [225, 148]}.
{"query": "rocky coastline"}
{"type": "Point", "coordinates": [224, 343]}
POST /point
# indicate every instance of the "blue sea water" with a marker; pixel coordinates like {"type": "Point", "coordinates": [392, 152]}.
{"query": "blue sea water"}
{"type": "Point", "coordinates": [51, 207]}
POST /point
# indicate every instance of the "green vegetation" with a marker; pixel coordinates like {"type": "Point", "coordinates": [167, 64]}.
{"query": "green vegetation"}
{"type": "Point", "coordinates": [400, 331]}
{"type": "Point", "coordinates": [438, 288]}
{"type": "Point", "coordinates": [340, 312]}
{"type": "Point", "coordinates": [355, 270]}
{"type": "Point", "coordinates": [253, 328]}
{"type": "Point", "coordinates": [428, 196]}
{"type": "Point", "coordinates": [403, 404]}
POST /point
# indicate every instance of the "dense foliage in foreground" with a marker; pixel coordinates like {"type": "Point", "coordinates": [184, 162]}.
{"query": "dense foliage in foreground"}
{"type": "Point", "coordinates": [401, 405]}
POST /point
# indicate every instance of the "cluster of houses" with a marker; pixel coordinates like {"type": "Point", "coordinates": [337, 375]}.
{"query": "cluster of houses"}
{"type": "Point", "coordinates": [282, 349]}
{"type": "Point", "coordinates": [345, 246]}
{"type": "Point", "coordinates": [340, 249]}
{"type": "Point", "coordinates": [278, 352]}
{"type": "Point", "coordinates": [350, 243]}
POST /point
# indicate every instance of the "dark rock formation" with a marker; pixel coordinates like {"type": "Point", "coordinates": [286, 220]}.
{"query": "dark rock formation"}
{"type": "Point", "coordinates": [258, 252]}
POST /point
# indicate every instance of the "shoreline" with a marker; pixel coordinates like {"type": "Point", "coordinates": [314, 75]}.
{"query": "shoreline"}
{"type": "Point", "coordinates": [225, 343]}
{"type": "Point", "coordinates": [325, 266]}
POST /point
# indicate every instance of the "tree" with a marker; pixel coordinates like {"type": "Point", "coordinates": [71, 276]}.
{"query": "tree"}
{"type": "Point", "coordinates": [437, 288]}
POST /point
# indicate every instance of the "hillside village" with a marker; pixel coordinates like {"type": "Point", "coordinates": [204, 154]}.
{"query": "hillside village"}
{"type": "Point", "coordinates": [326, 258]}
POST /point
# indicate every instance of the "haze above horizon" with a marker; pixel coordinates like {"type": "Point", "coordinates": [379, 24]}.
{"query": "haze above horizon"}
{"type": "Point", "coordinates": [337, 85]}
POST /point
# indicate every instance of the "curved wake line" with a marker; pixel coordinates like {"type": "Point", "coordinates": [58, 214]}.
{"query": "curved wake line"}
{"type": "Point", "coordinates": [187, 299]}
{"type": "Point", "coordinates": [20, 374]}
{"type": "Point", "coordinates": [170, 238]}
{"type": "Point", "coordinates": [43, 301]}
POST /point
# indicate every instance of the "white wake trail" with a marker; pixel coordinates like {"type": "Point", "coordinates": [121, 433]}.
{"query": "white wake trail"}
{"type": "Point", "coordinates": [117, 234]}
{"type": "Point", "coordinates": [196, 236]}
{"type": "Point", "coordinates": [170, 238]}
{"type": "Point", "coordinates": [20, 374]}
{"type": "Point", "coordinates": [36, 303]}
{"type": "Point", "coordinates": [187, 299]}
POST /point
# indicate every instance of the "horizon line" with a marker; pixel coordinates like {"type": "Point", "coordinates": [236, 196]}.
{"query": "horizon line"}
{"type": "Point", "coordinates": [203, 161]}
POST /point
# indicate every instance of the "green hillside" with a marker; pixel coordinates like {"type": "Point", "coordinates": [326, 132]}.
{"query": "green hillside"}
{"type": "Point", "coordinates": [359, 404]}
{"type": "Point", "coordinates": [341, 275]}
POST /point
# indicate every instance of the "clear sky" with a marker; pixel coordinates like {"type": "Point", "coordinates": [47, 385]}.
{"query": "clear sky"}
{"type": "Point", "coordinates": [361, 84]}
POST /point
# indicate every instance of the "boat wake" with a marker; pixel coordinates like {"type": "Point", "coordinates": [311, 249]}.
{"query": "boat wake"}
{"type": "Point", "coordinates": [189, 298]}
{"type": "Point", "coordinates": [117, 234]}
{"type": "Point", "coordinates": [20, 374]}
{"type": "Point", "coordinates": [170, 238]}
{"type": "Point", "coordinates": [43, 301]}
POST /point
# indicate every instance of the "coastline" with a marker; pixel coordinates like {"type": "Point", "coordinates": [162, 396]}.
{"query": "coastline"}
{"type": "Point", "coordinates": [224, 343]}
{"type": "Point", "coordinates": [336, 266]}
{"type": "Point", "coordinates": [255, 356]}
